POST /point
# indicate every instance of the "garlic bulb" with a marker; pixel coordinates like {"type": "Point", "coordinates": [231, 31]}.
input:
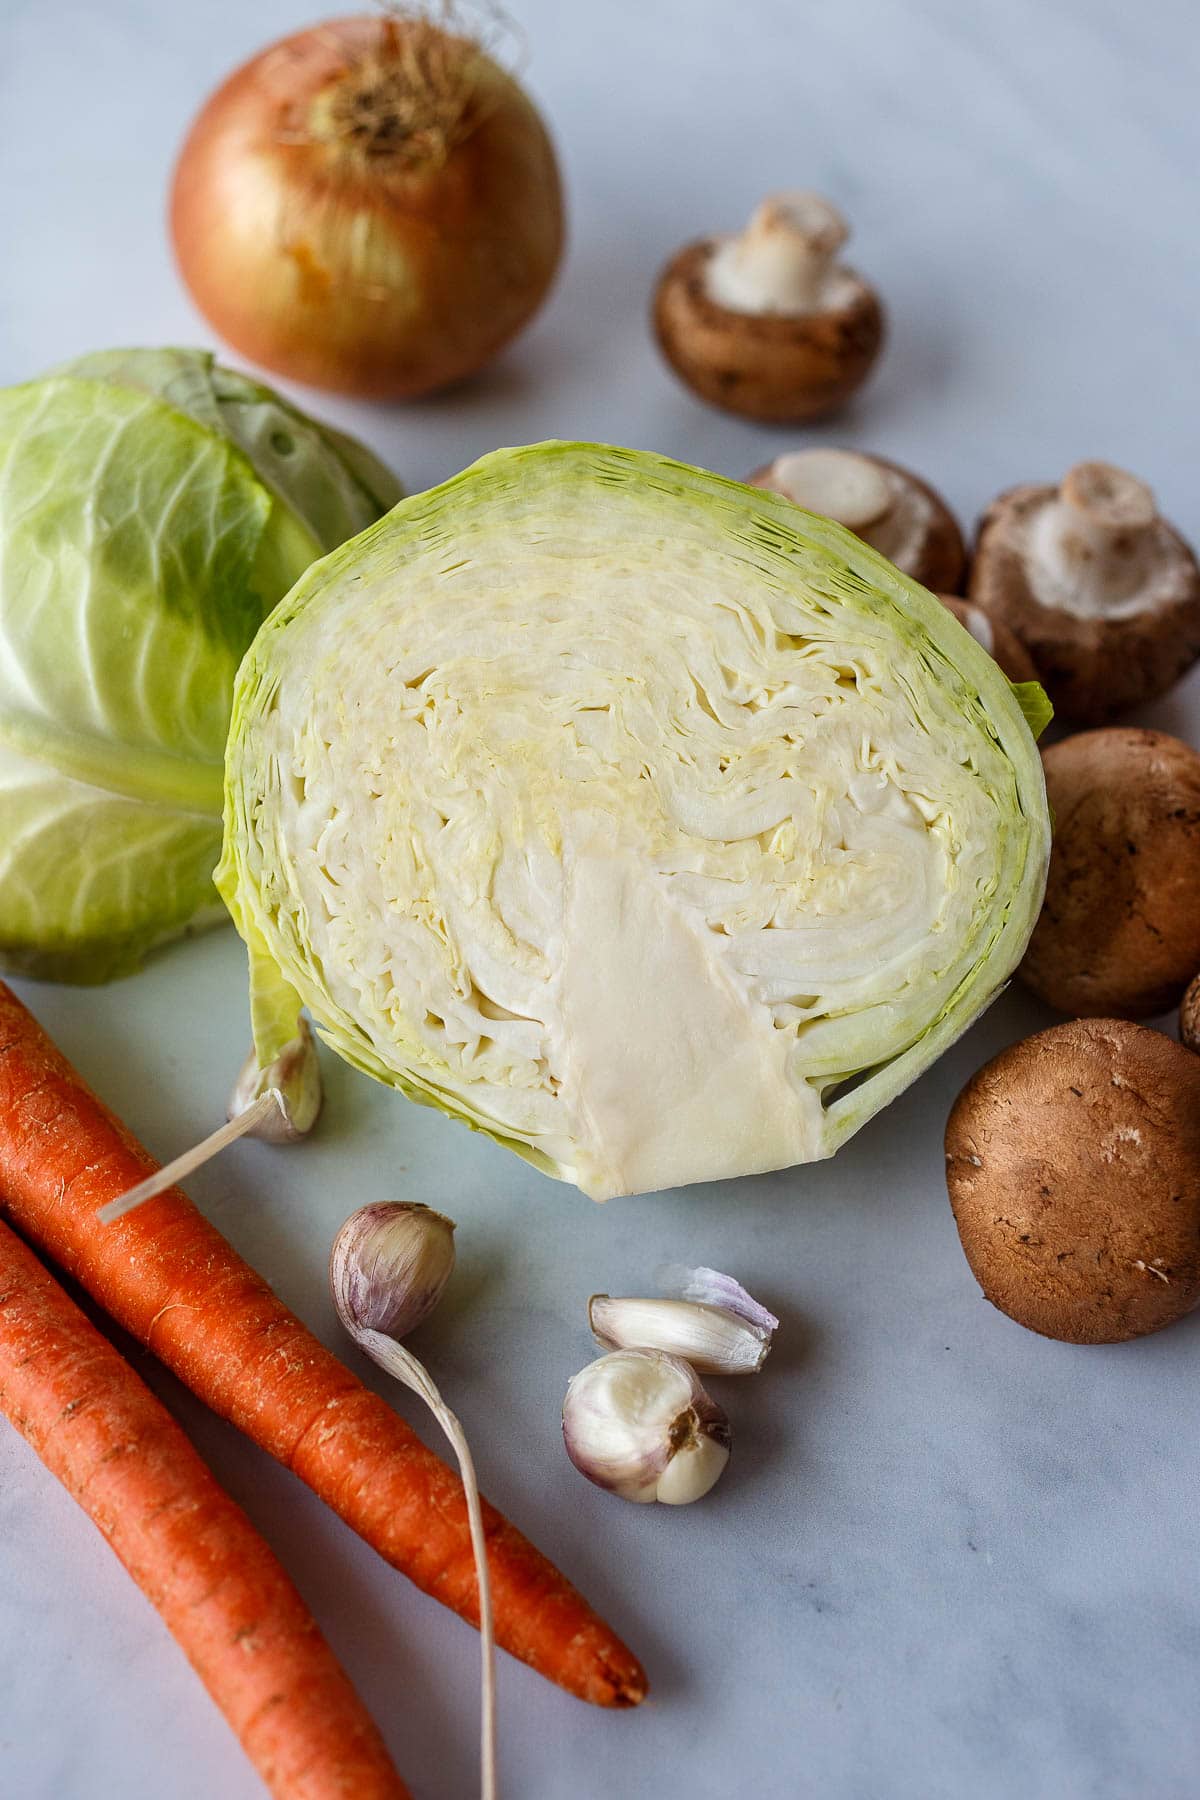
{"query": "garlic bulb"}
{"type": "Point", "coordinates": [295, 1077]}
{"type": "Point", "coordinates": [389, 1264]}
{"type": "Point", "coordinates": [718, 1328]}
{"type": "Point", "coordinates": [639, 1423]}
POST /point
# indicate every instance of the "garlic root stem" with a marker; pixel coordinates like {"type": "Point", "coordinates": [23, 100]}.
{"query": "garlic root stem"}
{"type": "Point", "coordinates": [396, 1360]}
{"type": "Point", "coordinates": [192, 1159]}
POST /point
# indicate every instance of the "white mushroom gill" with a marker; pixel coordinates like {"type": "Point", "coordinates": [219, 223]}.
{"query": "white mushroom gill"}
{"type": "Point", "coordinates": [622, 837]}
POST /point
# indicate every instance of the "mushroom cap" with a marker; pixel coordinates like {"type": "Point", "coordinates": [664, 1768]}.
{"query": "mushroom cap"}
{"type": "Point", "coordinates": [912, 525]}
{"type": "Point", "coordinates": [1001, 644]}
{"type": "Point", "coordinates": [1093, 668]}
{"type": "Point", "coordinates": [1120, 928]}
{"type": "Point", "coordinates": [1189, 1016]}
{"type": "Point", "coordinates": [780, 367]}
{"type": "Point", "coordinates": [1073, 1168]}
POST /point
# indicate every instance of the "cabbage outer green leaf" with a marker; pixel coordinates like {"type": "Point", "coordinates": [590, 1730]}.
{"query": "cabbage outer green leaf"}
{"type": "Point", "coordinates": [149, 519]}
{"type": "Point", "coordinates": [634, 817]}
{"type": "Point", "coordinates": [332, 484]}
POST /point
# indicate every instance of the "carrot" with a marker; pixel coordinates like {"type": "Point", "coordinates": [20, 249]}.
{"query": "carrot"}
{"type": "Point", "coordinates": [172, 1281]}
{"type": "Point", "coordinates": [195, 1555]}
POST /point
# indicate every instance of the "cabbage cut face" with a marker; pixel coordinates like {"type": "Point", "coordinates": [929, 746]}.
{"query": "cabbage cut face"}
{"type": "Point", "coordinates": [153, 508]}
{"type": "Point", "coordinates": [656, 828]}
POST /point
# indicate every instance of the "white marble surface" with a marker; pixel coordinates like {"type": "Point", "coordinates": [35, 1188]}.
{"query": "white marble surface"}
{"type": "Point", "coordinates": [951, 1561]}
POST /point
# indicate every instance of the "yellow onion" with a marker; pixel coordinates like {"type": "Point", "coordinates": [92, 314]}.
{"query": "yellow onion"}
{"type": "Point", "coordinates": [372, 205]}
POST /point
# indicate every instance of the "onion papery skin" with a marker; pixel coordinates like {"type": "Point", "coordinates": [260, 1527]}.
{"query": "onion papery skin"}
{"type": "Point", "coordinates": [379, 273]}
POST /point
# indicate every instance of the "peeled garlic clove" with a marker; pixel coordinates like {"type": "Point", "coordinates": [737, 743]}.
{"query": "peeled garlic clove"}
{"type": "Point", "coordinates": [295, 1077]}
{"type": "Point", "coordinates": [639, 1423]}
{"type": "Point", "coordinates": [714, 1341]}
{"type": "Point", "coordinates": [389, 1264]}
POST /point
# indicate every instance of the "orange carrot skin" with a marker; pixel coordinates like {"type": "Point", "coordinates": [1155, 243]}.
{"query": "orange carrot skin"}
{"type": "Point", "coordinates": [173, 1282]}
{"type": "Point", "coordinates": [195, 1555]}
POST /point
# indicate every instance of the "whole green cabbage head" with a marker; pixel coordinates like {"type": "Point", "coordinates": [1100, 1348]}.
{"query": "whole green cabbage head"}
{"type": "Point", "coordinates": [656, 828]}
{"type": "Point", "coordinates": [154, 507]}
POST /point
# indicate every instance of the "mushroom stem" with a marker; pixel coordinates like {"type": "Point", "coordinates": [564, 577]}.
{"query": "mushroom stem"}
{"type": "Point", "coordinates": [974, 620]}
{"type": "Point", "coordinates": [783, 261]}
{"type": "Point", "coordinates": [851, 490]}
{"type": "Point", "coordinates": [1093, 539]}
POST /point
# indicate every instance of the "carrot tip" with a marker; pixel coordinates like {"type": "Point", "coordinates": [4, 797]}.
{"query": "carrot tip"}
{"type": "Point", "coordinates": [620, 1686]}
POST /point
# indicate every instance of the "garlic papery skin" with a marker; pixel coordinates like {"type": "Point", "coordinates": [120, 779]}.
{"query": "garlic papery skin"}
{"type": "Point", "coordinates": [784, 260]}
{"type": "Point", "coordinates": [389, 1264]}
{"type": "Point", "coordinates": [713, 1340]}
{"type": "Point", "coordinates": [295, 1075]}
{"type": "Point", "coordinates": [639, 1423]}
{"type": "Point", "coordinates": [710, 1288]}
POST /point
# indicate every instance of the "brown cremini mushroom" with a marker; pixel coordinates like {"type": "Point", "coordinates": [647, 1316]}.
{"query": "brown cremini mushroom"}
{"type": "Point", "coordinates": [769, 324]}
{"type": "Point", "coordinates": [1002, 645]}
{"type": "Point", "coordinates": [1073, 1168]}
{"type": "Point", "coordinates": [1120, 928]}
{"type": "Point", "coordinates": [1103, 593]}
{"type": "Point", "coordinates": [1189, 1016]}
{"type": "Point", "coordinates": [887, 506]}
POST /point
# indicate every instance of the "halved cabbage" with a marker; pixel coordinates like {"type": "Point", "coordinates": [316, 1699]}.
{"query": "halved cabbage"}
{"type": "Point", "coordinates": [658, 829]}
{"type": "Point", "coordinates": [153, 508]}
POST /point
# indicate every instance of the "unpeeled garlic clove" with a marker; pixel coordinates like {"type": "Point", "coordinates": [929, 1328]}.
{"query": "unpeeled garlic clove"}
{"type": "Point", "coordinates": [387, 1268]}
{"type": "Point", "coordinates": [639, 1423]}
{"type": "Point", "coordinates": [389, 1264]}
{"type": "Point", "coordinates": [714, 1341]}
{"type": "Point", "coordinates": [716, 1325]}
{"type": "Point", "coordinates": [294, 1077]}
